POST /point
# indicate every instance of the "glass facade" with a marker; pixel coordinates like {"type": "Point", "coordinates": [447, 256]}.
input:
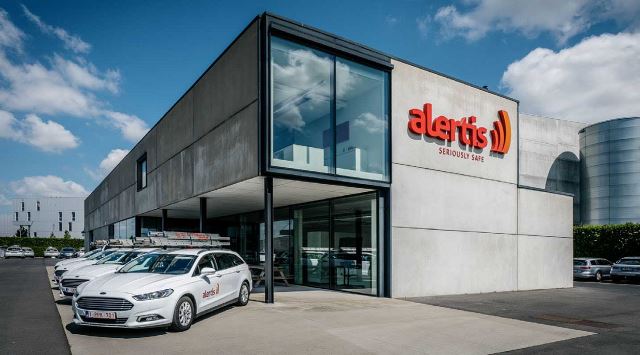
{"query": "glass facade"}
{"type": "Point", "coordinates": [328, 114]}
{"type": "Point", "coordinates": [125, 229]}
{"type": "Point", "coordinates": [330, 244]}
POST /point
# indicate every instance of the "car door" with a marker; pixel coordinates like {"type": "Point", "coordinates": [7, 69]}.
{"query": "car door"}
{"type": "Point", "coordinates": [229, 275]}
{"type": "Point", "coordinates": [208, 285]}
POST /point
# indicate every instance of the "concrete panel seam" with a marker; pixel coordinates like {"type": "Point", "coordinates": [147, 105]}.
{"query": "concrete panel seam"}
{"type": "Point", "coordinates": [454, 173]}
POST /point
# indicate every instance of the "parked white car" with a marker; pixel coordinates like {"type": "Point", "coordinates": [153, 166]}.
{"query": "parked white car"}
{"type": "Point", "coordinates": [73, 260]}
{"type": "Point", "coordinates": [80, 253]}
{"type": "Point", "coordinates": [59, 270]}
{"type": "Point", "coordinates": [28, 253]}
{"type": "Point", "coordinates": [51, 252]}
{"type": "Point", "coordinates": [164, 289]}
{"type": "Point", "coordinates": [14, 251]}
{"type": "Point", "coordinates": [108, 265]}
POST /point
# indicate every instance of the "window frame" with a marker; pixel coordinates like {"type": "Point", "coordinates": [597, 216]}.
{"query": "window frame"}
{"type": "Point", "coordinates": [336, 47]}
{"type": "Point", "coordinates": [139, 161]}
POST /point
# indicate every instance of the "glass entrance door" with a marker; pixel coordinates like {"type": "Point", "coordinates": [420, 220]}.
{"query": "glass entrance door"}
{"type": "Point", "coordinates": [311, 245]}
{"type": "Point", "coordinates": [335, 244]}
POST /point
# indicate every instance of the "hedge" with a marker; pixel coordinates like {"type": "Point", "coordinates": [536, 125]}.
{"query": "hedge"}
{"type": "Point", "coordinates": [39, 245]}
{"type": "Point", "coordinates": [611, 242]}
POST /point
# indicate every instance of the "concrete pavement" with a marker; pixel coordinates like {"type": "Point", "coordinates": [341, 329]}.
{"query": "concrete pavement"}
{"type": "Point", "coordinates": [311, 321]}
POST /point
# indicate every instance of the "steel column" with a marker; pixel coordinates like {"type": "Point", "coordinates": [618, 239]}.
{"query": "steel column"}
{"type": "Point", "coordinates": [268, 237]}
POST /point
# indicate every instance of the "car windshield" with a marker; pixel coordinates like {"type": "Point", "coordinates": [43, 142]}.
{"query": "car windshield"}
{"type": "Point", "coordinates": [161, 264]}
{"type": "Point", "coordinates": [579, 262]}
{"type": "Point", "coordinates": [91, 253]}
{"type": "Point", "coordinates": [102, 254]}
{"type": "Point", "coordinates": [27, 249]}
{"type": "Point", "coordinates": [629, 262]}
{"type": "Point", "coordinates": [120, 257]}
{"type": "Point", "coordinates": [13, 249]}
{"type": "Point", "coordinates": [68, 250]}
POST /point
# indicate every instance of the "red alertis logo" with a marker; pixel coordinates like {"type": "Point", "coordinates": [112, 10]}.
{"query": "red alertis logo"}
{"type": "Point", "coordinates": [464, 129]}
{"type": "Point", "coordinates": [214, 291]}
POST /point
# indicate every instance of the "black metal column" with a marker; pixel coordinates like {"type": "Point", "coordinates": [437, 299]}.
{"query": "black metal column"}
{"type": "Point", "coordinates": [203, 213]}
{"type": "Point", "coordinates": [164, 220]}
{"type": "Point", "coordinates": [268, 238]}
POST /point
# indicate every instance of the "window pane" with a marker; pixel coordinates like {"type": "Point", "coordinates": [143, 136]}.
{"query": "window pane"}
{"type": "Point", "coordinates": [302, 135]}
{"type": "Point", "coordinates": [361, 121]}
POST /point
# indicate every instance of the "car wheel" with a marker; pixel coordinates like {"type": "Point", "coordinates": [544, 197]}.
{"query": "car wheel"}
{"type": "Point", "coordinates": [599, 276]}
{"type": "Point", "coordinates": [243, 295]}
{"type": "Point", "coordinates": [183, 315]}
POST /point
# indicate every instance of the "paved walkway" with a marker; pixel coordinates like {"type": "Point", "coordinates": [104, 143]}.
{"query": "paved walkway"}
{"type": "Point", "coordinates": [29, 322]}
{"type": "Point", "coordinates": [312, 321]}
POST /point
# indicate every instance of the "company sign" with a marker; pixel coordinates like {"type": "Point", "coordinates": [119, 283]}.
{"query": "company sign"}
{"type": "Point", "coordinates": [463, 130]}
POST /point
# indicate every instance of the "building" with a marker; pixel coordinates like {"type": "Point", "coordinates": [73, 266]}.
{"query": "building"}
{"type": "Point", "coordinates": [550, 156]}
{"type": "Point", "coordinates": [610, 170]}
{"type": "Point", "coordinates": [44, 216]}
{"type": "Point", "coordinates": [344, 168]}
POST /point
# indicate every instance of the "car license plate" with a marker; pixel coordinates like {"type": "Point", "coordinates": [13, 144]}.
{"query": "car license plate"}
{"type": "Point", "coordinates": [69, 289]}
{"type": "Point", "coordinates": [101, 315]}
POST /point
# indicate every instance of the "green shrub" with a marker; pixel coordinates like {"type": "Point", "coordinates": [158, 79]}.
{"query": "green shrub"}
{"type": "Point", "coordinates": [607, 241]}
{"type": "Point", "coordinates": [39, 245]}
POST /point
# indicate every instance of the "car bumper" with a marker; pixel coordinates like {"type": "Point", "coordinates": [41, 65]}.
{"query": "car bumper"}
{"type": "Point", "coordinates": [625, 275]}
{"type": "Point", "coordinates": [13, 255]}
{"type": "Point", "coordinates": [584, 275]}
{"type": "Point", "coordinates": [130, 318]}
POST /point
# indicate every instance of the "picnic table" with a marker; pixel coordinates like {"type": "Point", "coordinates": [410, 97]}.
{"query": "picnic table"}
{"type": "Point", "coordinates": [257, 273]}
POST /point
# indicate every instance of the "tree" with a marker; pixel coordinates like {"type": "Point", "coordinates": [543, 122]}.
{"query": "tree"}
{"type": "Point", "coordinates": [22, 232]}
{"type": "Point", "coordinates": [67, 235]}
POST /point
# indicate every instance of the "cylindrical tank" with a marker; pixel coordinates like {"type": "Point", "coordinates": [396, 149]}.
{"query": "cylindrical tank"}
{"type": "Point", "coordinates": [610, 172]}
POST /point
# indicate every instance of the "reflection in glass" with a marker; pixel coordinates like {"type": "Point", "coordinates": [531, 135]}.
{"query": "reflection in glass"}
{"type": "Point", "coordinates": [302, 137]}
{"type": "Point", "coordinates": [361, 121]}
{"type": "Point", "coordinates": [311, 244]}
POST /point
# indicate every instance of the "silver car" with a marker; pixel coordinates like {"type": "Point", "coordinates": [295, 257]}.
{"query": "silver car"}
{"type": "Point", "coordinates": [28, 253]}
{"type": "Point", "coordinates": [14, 251]}
{"type": "Point", "coordinates": [626, 268]}
{"type": "Point", "coordinates": [591, 268]}
{"type": "Point", "coordinates": [51, 252]}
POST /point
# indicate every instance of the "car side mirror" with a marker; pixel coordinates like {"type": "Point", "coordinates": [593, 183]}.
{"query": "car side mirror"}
{"type": "Point", "coordinates": [207, 271]}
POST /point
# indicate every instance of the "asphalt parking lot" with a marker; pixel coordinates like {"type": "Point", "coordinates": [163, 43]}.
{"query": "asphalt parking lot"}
{"type": "Point", "coordinates": [29, 320]}
{"type": "Point", "coordinates": [610, 310]}
{"type": "Point", "coordinates": [303, 320]}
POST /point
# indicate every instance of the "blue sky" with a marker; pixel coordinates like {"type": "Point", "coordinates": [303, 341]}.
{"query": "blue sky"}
{"type": "Point", "coordinates": [81, 81]}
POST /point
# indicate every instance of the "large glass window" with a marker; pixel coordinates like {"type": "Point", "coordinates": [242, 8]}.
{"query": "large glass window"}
{"type": "Point", "coordinates": [329, 114]}
{"type": "Point", "coordinates": [302, 136]}
{"type": "Point", "coordinates": [361, 121]}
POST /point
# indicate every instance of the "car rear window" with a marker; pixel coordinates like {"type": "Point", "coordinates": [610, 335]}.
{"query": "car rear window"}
{"type": "Point", "coordinates": [629, 262]}
{"type": "Point", "coordinates": [579, 262]}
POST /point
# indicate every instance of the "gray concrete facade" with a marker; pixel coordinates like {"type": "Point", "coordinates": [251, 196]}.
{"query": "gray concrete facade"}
{"type": "Point", "coordinates": [550, 156]}
{"type": "Point", "coordinates": [207, 140]}
{"type": "Point", "coordinates": [461, 225]}
{"type": "Point", "coordinates": [610, 170]}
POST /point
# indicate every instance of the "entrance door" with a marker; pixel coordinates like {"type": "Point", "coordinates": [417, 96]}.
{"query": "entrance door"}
{"type": "Point", "coordinates": [311, 245]}
{"type": "Point", "coordinates": [335, 244]}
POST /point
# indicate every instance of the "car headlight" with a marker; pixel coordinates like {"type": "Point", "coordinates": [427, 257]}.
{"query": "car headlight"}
{"type": "Point", "coordinates": [153, 295]}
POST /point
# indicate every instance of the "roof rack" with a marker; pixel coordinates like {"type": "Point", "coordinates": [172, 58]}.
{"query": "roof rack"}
{"type": "Point", "coordinates": [184, 240]}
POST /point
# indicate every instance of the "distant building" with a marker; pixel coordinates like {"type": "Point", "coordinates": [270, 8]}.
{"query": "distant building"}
{"type": "Point", "coordinates": [43, 216]}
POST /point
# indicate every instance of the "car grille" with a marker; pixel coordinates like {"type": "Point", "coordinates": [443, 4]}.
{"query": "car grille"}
{"type": "Point", "coordinates": [104, 321]}
{"type": "Point", "coordinates": [60, 272]}
{"type": "Point", "coordinates": [73, 282]}
{"type": "Point", "coordinates": [104, 304]}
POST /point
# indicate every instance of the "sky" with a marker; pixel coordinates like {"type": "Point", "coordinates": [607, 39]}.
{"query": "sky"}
{"type": "Point", "coordinates": [82, 81]}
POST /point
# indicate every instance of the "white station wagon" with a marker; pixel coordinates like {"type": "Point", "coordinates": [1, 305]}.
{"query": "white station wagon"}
{"type": "Point", "coordinates": [164, 289]}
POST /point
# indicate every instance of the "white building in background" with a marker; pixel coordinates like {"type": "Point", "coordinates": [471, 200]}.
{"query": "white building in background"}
{"type": "Point", "coordinates": [43, 216]}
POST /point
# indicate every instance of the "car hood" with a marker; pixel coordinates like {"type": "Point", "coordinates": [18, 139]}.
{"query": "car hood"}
{"type": "Point", "coordinates": [68, 261]}
{"type": "Point", "coordinates": [91, 271]}
{"type": "Point", "coordinates": [77, 265]}
{"type": "Point", "coordinates": [133, 283]}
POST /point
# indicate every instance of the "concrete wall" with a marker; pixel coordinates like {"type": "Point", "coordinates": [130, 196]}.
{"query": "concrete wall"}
{"type": "Point", "coordinates": [549, 156]}
{"type": "Point", "coordinates": [207, 140]}
{"type": "Point", "coordinates": [456, 222]}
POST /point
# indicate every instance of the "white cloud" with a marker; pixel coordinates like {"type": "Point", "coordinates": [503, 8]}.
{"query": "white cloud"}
{"type": "Point", "coordinates": [72, 42]}
{"type": "Point", "coordinates": [594, 80]}
{"type": "Point", "coordinates": [370, 122]}
{"type": "Point", "coordinates": [10, 35]}
{"type": "Point", "coordinates": [131, 126]}
{"type": "Point", "coordinates": [49, 185]}
{"type": "Point", "coordinates": [107, 164]}
{"type": "Point", "coordinates": [47, 136]}
{"type": "Point", "coordinates": [423, 25]}
{"type": "Point", "coordinates": [562, 19]}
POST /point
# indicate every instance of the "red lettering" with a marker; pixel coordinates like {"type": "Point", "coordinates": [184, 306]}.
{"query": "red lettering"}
{"type": "Point", "coordinates": [418, 123]}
